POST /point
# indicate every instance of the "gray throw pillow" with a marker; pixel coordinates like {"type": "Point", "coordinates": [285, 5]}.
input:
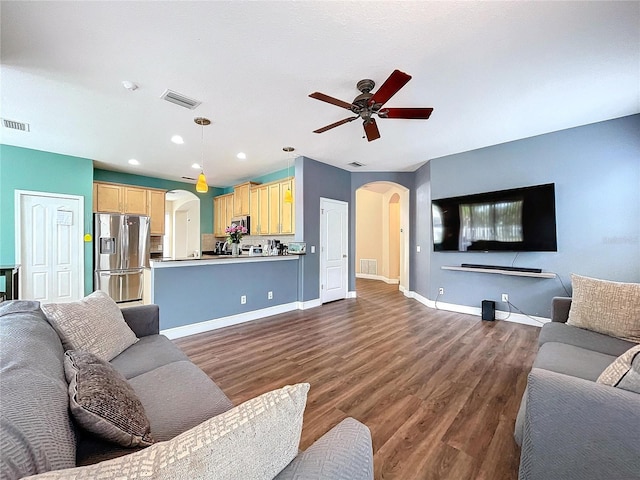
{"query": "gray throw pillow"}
{"type": "Point", "coordinates": [103, 402]}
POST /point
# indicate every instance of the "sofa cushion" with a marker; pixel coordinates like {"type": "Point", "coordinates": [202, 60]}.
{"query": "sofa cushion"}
{"type": "Point", "coordinates": [93, 324]}
{"type": "Point", "coordinates": [624, 372]}
{"type": "Point", "coordinates": [254, 440]}
{"type": "Point", "coordinates": [612, 308]}
{"type": "Point", "coordinates": [176, 397]}
{"type": "Point", "coordinates": [147, 354]}
{"type": "Point", "coordinates": [36, 431]}
{"type": "Point", "coordinates": [571, 360]}
{"type": "Point", "coordinates": [103, 402]}
{"type": "Point", "coordinates": [579, 337]}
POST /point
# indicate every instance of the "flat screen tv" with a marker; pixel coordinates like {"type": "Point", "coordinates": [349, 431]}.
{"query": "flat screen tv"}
{"type": "Point", "coordinates": [515, 220]}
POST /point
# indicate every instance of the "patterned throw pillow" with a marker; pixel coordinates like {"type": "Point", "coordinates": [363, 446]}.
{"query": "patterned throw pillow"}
{"type": "Point", "coordinates": [94, 324]}
{"type": "Point", "coordinates": [611, 308]}
{"type": "Point", "coordinates": [624, 372]}
{"type": "Point", "coordinates": [103, 402]}
{"type": "Point", "coordinates": [253, 441]}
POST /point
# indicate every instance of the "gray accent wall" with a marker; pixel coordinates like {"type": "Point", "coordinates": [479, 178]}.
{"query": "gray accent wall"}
{"type": "Point", "coordinates": [199, 293]}
{"type": "Point", "coordinates": [316, 180]}
{"type": "Point", "coordinates": [596, 171]}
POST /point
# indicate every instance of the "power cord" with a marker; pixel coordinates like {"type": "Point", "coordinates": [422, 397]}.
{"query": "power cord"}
{"type": "Point", "coordinates": [514, 259]}
{"type": "Point", "coordinates": [562, 283]}
{"type": "Point", "coordinates": [520, 311]}
{"type": "Point", "coordinates": [435, 302]}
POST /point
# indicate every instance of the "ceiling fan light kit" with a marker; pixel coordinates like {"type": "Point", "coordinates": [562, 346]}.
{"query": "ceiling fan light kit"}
{"type": "Point", "coordinates": [368, 104]}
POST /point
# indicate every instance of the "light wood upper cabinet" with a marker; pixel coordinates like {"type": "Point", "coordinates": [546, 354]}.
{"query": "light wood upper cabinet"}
{"type": "Point", "coordinates": [156, 202]}
{"type": "Point", "coordinates": [108, 198]}
{"type": "Point", "coordinates": [223, 213]}
{"type": "Point", "coordinates": [241, 201]}
{"type": "Point", "coordinates": [135, 201]}
{"type": "Point", "coordinates": [270, 215]}
{"type": "Point", "coordinates": [116, 198]}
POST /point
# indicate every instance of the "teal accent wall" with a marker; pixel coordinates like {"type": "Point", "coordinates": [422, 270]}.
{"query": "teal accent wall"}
{"type": "Point", "coordinates": [206, 199]}
{"type": "Point", "coordinates": [38, 171]}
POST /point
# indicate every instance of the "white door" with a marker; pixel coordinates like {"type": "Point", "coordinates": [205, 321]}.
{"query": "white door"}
{"type": "Point", "coordinates": [50, 248]}
{"type": "Point", "coordinates": [334, 235]}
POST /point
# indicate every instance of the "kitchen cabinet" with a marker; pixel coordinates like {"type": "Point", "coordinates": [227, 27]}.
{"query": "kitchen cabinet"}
{"type": "Point", "coordinates": [156, 203]}
{"type": "Point", "coordinates": [270, 215]}
{"type": "Point", "coordinates": [117, 198]}
{"type": "Point", "coordinates": [222, 213]}
{"type": "Point", "coordinates": [241, 200]}
{"type": "Point", "coordinates": [107, 198]}
{"type": "Point", "coordinates": [135, 201]}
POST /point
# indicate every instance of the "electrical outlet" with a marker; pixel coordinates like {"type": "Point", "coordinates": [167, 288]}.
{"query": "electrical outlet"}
{"type": "Point", "coordinates": [270, 296]}
{"type": "Point", "coordinates": [243, 299]}
{"type": "Point", "coordinates": [418, 248]}
{"type": "Point", "coordinates": [441, 291]}
{"type": "Point", "coordinates": [505, 297]}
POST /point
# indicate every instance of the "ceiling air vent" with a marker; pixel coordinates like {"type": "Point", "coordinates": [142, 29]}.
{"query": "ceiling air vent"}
{"type": "Point", "coordinates": [356, 164]}
{"type": "Point", "coordinates": [24, 127]}
{"type": "Point", "coordinates": [179, 99]}
{"type": "Point", "coordinates": [189, 178]}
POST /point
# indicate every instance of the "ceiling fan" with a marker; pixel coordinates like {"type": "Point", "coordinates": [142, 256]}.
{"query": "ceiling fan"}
{"type": "Point", "coordinates": [368, 104]}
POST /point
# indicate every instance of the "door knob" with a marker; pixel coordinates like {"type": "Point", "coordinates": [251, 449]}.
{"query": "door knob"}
{"type": "Point", "coordinates": [344, 256]}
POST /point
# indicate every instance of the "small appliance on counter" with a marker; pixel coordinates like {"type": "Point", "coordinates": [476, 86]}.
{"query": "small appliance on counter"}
{"type": "Point", "coordinates": [297, 248]}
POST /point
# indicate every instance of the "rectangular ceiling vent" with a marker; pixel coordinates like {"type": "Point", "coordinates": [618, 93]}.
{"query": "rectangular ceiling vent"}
{"type": "Point", "coordinates": [189, 178]}
{"type": "Point", "coordinates": [23, 127]}
{"type": "Point", "coordinates": [356, 164]}
{"type": "Point", "coordinates": [179, 99]}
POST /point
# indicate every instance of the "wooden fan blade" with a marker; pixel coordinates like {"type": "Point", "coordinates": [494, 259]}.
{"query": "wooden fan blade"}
{"type": "Point", "coordinates": [371, 129]}
{"type": "Point", "coordinates": [334, 125]}
{"type": "Point", "coordinates": [417, 113]}
{"type": "Point", "coordinates": [334, 101]}
{"type": "Point", "coordinates": [390, 87]}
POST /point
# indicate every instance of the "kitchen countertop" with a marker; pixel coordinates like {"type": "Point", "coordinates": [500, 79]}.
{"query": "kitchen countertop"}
{"type": "Point", "coordinates": [217, 260]}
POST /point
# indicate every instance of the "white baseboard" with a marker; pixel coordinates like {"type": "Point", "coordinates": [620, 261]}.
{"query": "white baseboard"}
{"type": "Point", "coordinates": [352, 294]}
{"type": "Point", "coordinates": [477, 311]}
{"type": "Point", "coordinates": [390, 281]}
{"type": "Point", "coordinates": [316, 302]}
{"type": "Point", "coordinates": [221, 322]}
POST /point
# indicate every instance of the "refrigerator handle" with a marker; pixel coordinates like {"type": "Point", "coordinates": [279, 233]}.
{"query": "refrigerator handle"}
{"type": "Point", "coordinates": [125, 242]}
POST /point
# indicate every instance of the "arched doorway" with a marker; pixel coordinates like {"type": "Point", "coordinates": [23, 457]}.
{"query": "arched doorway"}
{"type": "Point", "coordinates": [182, 224]}
{"type": "Point", "coordinates": [382, 233]}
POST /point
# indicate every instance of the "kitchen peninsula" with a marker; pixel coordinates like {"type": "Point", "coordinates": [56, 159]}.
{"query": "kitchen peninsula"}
{"type": "Point", "coordinates": [196, 295]}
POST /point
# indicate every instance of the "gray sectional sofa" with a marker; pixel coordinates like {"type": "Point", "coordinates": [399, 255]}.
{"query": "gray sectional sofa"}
{"type": "Point", "coordinates": [569, 426]}
{"type": "Point", "coordinates": [37, 433]}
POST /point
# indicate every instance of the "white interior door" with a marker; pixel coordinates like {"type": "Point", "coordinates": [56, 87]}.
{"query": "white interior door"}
{"type": "Point", "coordinates": [334, 235]}
{"type": "Point", "coordinates": [50, 247]}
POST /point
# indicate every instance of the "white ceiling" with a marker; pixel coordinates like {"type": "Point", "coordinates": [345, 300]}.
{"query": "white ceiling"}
{"type": "Point", "coordinates": [493, 71]}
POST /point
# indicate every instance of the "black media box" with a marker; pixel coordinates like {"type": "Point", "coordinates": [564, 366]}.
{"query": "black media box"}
{"type": "Point", "coordinates": [488, 310]}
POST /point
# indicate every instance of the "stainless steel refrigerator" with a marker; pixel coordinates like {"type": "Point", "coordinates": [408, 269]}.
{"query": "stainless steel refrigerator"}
{"type": "Point", "coordinates": [121, 253]}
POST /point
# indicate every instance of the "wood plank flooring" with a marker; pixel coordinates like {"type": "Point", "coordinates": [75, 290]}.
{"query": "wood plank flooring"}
{"type": "Point", "coordinates": [439, 390]}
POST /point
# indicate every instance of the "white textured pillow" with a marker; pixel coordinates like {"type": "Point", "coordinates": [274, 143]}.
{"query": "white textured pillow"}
{"type": "Point", "coordinates": [94, 324]}
{"type": "Point", "coordinates": [253, 441]}
{"type": "Point", "coordinates": [624, 372]}
{"type": "Point", "coordinates": [611, 308]}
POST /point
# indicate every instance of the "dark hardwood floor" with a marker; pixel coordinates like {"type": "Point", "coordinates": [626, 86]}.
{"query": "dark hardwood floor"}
{"type": "Point", "coordinates": [439, 390]}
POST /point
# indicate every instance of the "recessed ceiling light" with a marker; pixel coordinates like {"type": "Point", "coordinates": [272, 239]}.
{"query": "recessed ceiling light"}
{"type": "Point", "coordinates": [129, 85]}
{"type": "Point", "coordinates": [133, 161]}
{"type": "Point", "coordinates": [196, 166]}
{"type": "Point", "coordinates": [177, 139]}
{"type": "Point", "coordinates": [242, 156]}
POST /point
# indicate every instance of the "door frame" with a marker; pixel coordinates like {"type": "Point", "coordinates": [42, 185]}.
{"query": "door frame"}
{"type": "Point", "coordinates": [18, 194]}
{"type": "Point", "coordinates": [346, 260]}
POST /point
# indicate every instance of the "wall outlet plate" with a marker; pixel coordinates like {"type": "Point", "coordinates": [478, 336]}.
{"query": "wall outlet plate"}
{"type": "Point", "coordinates": [243, 299]}
{"type": "Point", "coordinates": [270, 296]}
{"type": "Point", "coordinates": [441, 291]}
{"type": "Point", "coordinates": [505, 297]}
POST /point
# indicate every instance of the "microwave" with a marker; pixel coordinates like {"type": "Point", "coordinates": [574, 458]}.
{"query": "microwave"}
{"type": "Point", "coordinates": [243, 221]}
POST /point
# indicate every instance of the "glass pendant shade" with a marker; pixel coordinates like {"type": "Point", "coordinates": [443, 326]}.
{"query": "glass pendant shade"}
{"type": "Point", "coordinates": [201, 186]}
{"type": "Point", "coordinates": [288, 198]}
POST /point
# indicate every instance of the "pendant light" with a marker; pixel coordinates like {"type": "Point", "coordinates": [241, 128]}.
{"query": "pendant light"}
{"type": "Point", "coordinates": [201, 185]}
{"type": "Point", "coordinates": [288, 197]}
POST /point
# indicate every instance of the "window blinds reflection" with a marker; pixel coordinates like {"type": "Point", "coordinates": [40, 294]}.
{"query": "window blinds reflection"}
{"type": "Point", "coordinates": [499, 221]}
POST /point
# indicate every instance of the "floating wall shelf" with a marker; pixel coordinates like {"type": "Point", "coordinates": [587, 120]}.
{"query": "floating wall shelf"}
{"type": "Point", "coordinates": [501, 272]}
